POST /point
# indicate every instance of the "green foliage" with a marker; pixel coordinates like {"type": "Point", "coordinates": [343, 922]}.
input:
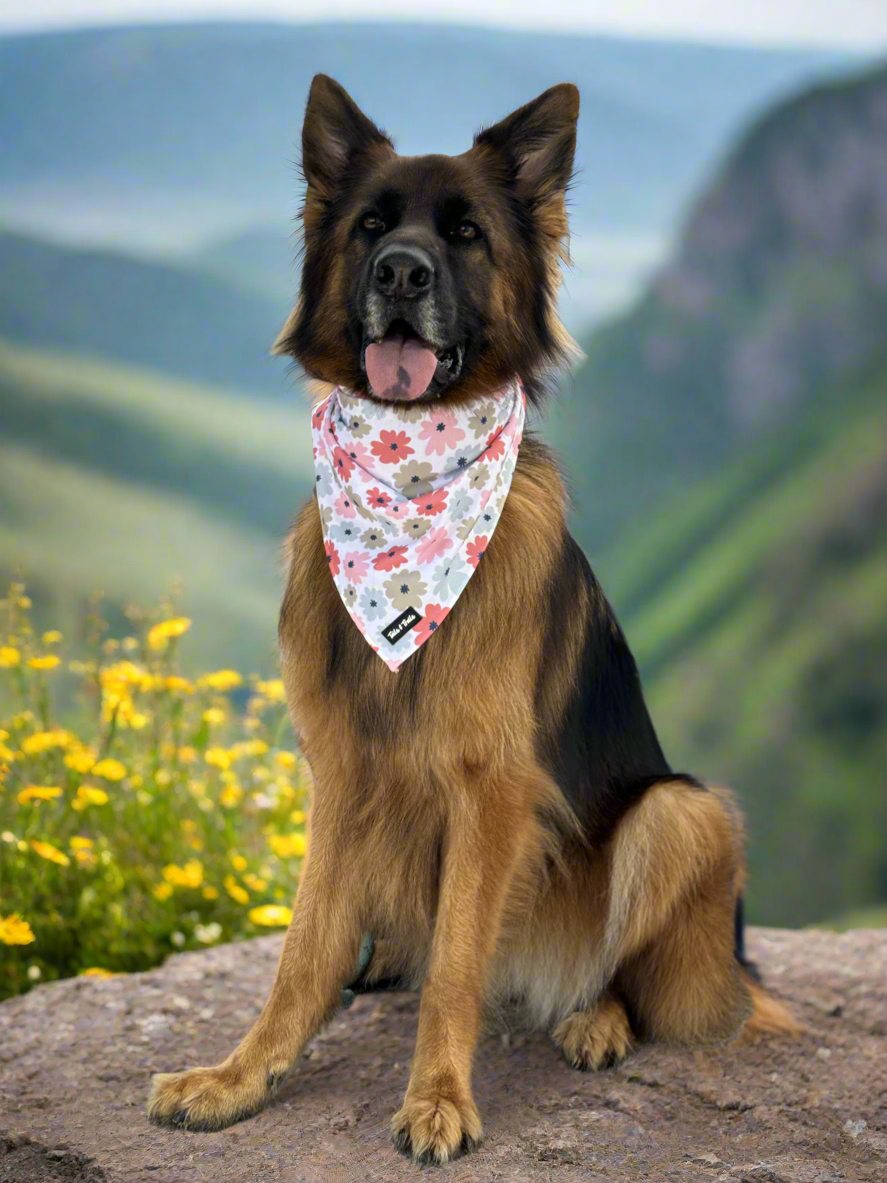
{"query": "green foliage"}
{"type": "Point", "coordinates": [152, 815]}
{"type": "Point", "coordinates": [756, 608]}
{"type": "Point", "coordinates": [119, 480]}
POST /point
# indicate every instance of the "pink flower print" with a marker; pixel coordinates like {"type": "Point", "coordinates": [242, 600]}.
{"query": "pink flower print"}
{"type": "Point", "coordinates": [476, 550]}
{"type": "Point", "coordinates": [434, 503]}
{"type": "Point", "coordinates": [392, 447]}
{"type": "Point", "coordinates": [377, 499]}
{"type": "Point", "coordinates": [360, 454]}
{"type": "Point", "coordinates": [344, 508]}
{"type": "Point", "coordinates": [332, 557]}
{"type": "Point", "coordinates": [435, 614]}
{"type": "Point", "coordinates": [390, 559]}
{"type": "Point", "coordinates": [442, 433]}
{"type": "Point", "coordinates": [342, 462]}
{"type": "Point", "coordinates": [433, 545]}
{"type": "Point", "coordinates": [356, 565]}
{"type": "Point", "coordinates": [495, 447]}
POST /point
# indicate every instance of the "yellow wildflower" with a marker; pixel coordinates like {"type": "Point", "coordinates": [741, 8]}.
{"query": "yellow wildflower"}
{"type": "Point", "coordinates": [38, 793]}
{"type": "Point", "coordinates": [209, 893]}
{"type": "Point", "coordinates": [298, 817]}
{"type": "Point", "coordinates": [47, 662]}
{"type": "Point", "coordinates": [288, 845]}
{"type": "Point", "coordinates": [90, 795]}
{"type": "Point", "coordinates": [271, 915]}
{"type": "Point", "coordinates": [231, 795]}
{"type": "Point", "coordinates": [235, 891]}
{"type": "Point", "coordinates": [52, 637]}
{"type": "Point", "coordinates": [51, 853]}
{"type": "Point", "coordinates": [78, 843]}
{"type": "Point", "coordinates": [15, 931]}
{"type": "Point", "coordinates": [217, 757]}
{"type": "Point", "coordinates": [286, 759]}
{"type": "Point", "coordinates": [191, 875]}
{"type": "Point", "coordinates": [9, 656]}
{"type": "Point", "coordinates": [165, 630]}
{"type": "Point", "coordinates": [214, 716]}
{"type": "Point", "coordinates": [109, 769]}
{"type": "Point", "coordinates": [221, 680]}
{"type": "Point", "coordinates": [95, 971]}
{"type": "Point", "coordinates": [238, 862]}
{"type": "Point", "coordinates": [80, 760]}
{"type": "Point", "coordinates": [43, 741]}
{"type": "Point", "coordinates": [178, 685]}
{"type": "Point", "coordinates": [187, 755]}
{"type": "Point", "coordinates": [272, 690]}
{"type": "Point", "coordinates": [129, 644]}
{"type": "Point", "coordinates": [162, 891]}
{"type": "Point", "coordinates": [249, 747]}
{"type": "Point", "coordinates": [125, 673]}
{"type": "Point", "coordinates": [254, 883]}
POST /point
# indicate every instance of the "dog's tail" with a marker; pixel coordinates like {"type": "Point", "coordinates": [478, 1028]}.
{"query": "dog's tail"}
{"type": "Point", "coordinates": [770, 1016]}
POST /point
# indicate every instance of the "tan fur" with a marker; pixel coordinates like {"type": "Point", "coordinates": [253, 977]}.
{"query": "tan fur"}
{"type": "Point", "coordinates": [437, 847]}
{"type": "Point", "coordinates": [595, 1038]}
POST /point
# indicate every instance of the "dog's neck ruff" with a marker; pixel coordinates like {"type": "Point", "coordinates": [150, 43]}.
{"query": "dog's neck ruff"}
{"type": "Point", "coordinates": [409, 496]}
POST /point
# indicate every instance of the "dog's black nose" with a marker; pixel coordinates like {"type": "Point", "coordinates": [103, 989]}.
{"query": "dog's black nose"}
{"type": "Point", "coordinates": [402, 270]}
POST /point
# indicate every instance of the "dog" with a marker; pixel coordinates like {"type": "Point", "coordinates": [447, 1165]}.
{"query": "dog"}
{"type": "Point", "coordinates": [494, 812]}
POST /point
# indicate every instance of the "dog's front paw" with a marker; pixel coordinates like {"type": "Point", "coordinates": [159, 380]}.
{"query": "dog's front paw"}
{"type": "Point", "coordinates": [208, 1098]}
{"type": "Point", "coordinates": [436, 1126]}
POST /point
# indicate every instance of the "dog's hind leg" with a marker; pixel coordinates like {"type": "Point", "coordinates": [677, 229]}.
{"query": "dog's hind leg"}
{"type": "Point", "coordinates": [675, 867]}
{"type": "Point", "coordinates": [319, 956]}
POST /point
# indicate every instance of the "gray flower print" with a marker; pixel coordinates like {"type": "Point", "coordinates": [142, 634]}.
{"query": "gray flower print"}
{"type": "Point", "coordinates": [451, 576]}
{"type": "Point", "coordinates": [373, 604]}
{"type": "Point", "coordinates": [414, 478]}
{"type": "Point", "coordinates": [405, 589]}
{"type": "Point", "coordinates": [416, 527]}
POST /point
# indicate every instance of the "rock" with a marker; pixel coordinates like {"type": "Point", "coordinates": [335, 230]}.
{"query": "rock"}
{"type": "Point", "coordinates": [76, 1058]}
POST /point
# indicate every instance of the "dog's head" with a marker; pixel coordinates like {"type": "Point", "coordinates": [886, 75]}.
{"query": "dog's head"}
{"type": "Point", "coordinates": [432, 276]}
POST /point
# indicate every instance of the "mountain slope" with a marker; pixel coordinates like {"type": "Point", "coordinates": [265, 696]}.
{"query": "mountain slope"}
{"type": "Point", "coordinates": [778, 288]}
{"type": "Point", "coordinates": [170, 318]}
{"type": "Point", "coordinates": [755, 605]}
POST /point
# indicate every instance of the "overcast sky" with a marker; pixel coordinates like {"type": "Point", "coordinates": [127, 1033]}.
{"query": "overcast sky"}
{"type": "Point", "coordinates": [857, 23]}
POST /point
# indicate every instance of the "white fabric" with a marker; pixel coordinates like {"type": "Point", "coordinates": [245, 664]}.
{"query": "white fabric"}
{"type": "Point", "coordinates": [409, 496]}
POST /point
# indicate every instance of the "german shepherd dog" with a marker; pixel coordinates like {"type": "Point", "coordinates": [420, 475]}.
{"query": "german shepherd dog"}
{"type": "Point", "coordinates": [498, 814]}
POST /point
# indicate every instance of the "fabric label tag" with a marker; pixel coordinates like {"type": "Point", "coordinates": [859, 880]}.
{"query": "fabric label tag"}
{"type": "Point", "coordinates": [398, 628]}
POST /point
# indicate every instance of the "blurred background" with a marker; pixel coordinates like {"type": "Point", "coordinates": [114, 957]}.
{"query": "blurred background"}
{"type": "Point", "coordinates": [725, 438]}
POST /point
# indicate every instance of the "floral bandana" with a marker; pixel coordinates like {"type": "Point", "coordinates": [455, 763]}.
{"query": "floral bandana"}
{"type": "Point", "coordinates": [409, 497]}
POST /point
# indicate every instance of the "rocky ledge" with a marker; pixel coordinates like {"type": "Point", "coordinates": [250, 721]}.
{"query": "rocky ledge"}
{"type": "Point", "coordinates": [76, 1057]}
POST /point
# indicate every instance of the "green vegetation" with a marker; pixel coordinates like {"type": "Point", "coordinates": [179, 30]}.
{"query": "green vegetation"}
{"type": "Point", "coordinates": [117, 480]}
{"type": "Point", "coordinates": [756, 608]}
{"type": "Point", "coordinates": [156, 818]}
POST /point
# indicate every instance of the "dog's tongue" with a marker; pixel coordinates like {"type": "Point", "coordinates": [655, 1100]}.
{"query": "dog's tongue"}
{"type": "Point", "coordinates": [400, 368]}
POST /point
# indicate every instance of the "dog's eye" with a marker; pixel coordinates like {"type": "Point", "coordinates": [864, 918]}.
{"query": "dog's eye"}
{"type": "Point", "coordinates": [466, 230]}
{"type": "Point", "coordinates": [372, 222]}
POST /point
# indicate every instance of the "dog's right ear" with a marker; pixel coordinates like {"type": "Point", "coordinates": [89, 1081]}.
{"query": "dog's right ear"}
{"type": "Point", "coordinates": [335, 133]}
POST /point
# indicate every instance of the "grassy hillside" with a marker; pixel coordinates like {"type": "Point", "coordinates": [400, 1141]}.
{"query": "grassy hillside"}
{"type": "Point", "coordinates": [756, 608]}
{"type": "Point", "coordinates": [113, 479]}
{"type": "Point", "coordinates": [176, 319]}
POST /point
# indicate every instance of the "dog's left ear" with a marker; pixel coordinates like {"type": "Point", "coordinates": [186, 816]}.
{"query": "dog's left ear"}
{"type": "Point", "coordinates": [537, 142]}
